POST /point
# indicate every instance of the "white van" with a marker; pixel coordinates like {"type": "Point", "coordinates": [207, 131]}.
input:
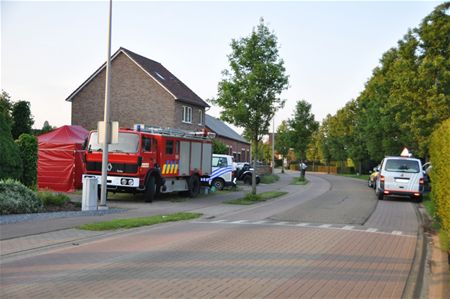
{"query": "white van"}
{"type": "Point", "coordinates": [223, 171]}
{"type": "Point", "coordinates": [400, 176]}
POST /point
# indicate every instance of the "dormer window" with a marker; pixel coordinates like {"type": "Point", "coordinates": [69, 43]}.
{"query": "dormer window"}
{"type": "Point", "coordinates": [187, 115]}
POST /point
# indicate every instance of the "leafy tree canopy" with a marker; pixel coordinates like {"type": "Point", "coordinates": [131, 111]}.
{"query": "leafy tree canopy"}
{"type": "Point", "coordinates": [249, 92]}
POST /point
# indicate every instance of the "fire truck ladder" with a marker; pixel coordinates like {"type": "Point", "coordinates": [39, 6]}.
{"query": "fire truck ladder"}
{"type": "Point", "coordinates": [173, 132]}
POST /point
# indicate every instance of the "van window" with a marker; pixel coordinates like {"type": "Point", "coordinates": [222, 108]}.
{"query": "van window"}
{"type": "Point", "coordinates": [401, 165]}
{"type": "Point", "coordinates": [219, 162]}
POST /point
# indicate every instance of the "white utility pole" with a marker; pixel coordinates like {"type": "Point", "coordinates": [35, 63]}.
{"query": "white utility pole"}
{"type": "Point", "coordinates": [107, 121]}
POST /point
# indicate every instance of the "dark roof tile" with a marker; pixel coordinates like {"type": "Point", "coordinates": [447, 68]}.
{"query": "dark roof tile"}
{"type": "Point", "coordinates": [221, 129]}
{"type": "Point", "coordinates": [167, 79]}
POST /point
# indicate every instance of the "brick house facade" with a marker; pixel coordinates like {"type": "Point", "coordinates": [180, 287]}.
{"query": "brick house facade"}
{"type": "Point", "coordinates": [238, 147]}
{"type": "Point", "coordinates": [142, 91]}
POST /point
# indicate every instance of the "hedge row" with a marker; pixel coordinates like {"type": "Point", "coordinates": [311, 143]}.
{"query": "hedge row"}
{"type": "Point", "coordinates": [440, 173]}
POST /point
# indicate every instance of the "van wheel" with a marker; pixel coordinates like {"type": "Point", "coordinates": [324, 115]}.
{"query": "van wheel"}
{"type": "Point", "coordinates": [379, 195]}
{"type": "Point", "coordinates": [194, 186]}
{"type": "Point", "coordinates": [218, 184]}
{"type": "Point", "coordinates": [150, 190]}
{"type": "Point", "coordinates": [248, 180]}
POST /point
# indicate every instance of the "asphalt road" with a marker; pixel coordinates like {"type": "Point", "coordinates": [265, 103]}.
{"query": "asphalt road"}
{"type": "Point", "coordinates": [328, 239]}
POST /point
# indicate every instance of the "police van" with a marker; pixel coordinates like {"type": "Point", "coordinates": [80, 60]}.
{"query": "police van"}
{"type": "Point", "coordinates": [223, 171]}
{"type": "Point", "coordinates": [401, 177]}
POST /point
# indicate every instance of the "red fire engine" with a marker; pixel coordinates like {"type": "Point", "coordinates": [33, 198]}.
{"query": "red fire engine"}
{"type": "Point", "coordinates": [152, 160]}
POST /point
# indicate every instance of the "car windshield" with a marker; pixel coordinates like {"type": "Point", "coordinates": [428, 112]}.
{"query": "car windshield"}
{"type": "Point", "coordinates": [219, 162]}
{"type": "Point", "coordinates": [400, 165]}
{"type": "Point", "coordinates": [128, 143]}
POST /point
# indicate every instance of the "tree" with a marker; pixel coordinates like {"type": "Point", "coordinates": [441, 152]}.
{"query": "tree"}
{"type": "Point", "coordinates": [219, 147]}
{"type": "Point", "coordinates": [22, 119]}
{"type": "Point", "coordinates": [303, 126]}
{"type": "Point", "coordinates": [10, 162]}
{"type": "Point", "coordinates": [283, 141]}
{"type": "Point", "coordinates": [314, 152]}
{"type": "Point", "coordinates": [249, 92]}
{"type": "Point", "coordinates": [46, 128]}
{"type": "Point", "coordinates": [6, 107]}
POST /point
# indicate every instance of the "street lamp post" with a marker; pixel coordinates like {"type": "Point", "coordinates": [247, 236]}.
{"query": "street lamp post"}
{"type": "Point", "coordinates": [107, 112]}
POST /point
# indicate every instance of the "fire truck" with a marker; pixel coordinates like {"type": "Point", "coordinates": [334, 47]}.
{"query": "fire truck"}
{"type": "Point", "coordinates": [152, 160]}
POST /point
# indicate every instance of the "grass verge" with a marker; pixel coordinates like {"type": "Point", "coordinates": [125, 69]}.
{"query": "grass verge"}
{"type": "Point", "coordinates": [269, 178]}
{"type": "Point", "coordinates": [429, 205]}
{"type": "Point", "coordinates": [299, 181]}
{"type": "Point", "coordinates": [251, 199]}
{"type": "Point", "coordinates": [137, 222]}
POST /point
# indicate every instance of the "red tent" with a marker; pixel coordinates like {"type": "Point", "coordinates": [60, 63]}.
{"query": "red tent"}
{"type": "Point", "coordinates": [60, 163]}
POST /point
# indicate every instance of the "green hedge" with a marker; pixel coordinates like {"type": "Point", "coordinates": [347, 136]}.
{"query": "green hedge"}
{"type": "Point", "coordinates": [10, 161]}
{"type": "Point", "coordinates": [28, 148]}
{"type": "Point", "coordinates": [15, 198]}
{"type": "Point", "coordinates": [440, 173]}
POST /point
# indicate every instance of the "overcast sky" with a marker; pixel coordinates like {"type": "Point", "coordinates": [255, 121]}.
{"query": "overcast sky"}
{"type": "Point", "coordinates": [330, 48]}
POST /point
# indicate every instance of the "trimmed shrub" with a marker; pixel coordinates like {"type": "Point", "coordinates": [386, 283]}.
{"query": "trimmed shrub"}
{"type": "Point", "coordinates": [10, 161]}
{"type": "Point", "coordinates": [15, 198]}
{"type": "Point", "coordinates": [28, 149]}
{"type": "Point", "coordinates": [440, 173]}
{"type": "Point", "coordinates": [52, 199]}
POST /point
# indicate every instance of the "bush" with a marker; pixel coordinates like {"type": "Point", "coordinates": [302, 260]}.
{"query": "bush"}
{"type": "Point", "coordinates": [52, 199]}
{"type": "Point", "coordinates": [10, 161]}
{"type": "Point", "coordinates": [269, 178]}
{"type": "Point", "coordinates": [440, 173]}
{"type": "Point", "coordinates": [28, 149]}
{"type": "Point", "coordinates": [15, 198]}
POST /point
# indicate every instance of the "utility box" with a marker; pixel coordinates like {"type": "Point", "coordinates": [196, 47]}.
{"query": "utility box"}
{"type": "Point", "coordinates": [89, 197]}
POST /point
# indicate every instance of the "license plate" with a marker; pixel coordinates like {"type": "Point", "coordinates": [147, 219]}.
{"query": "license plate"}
{"type": "Point", "coordinates": [402, 180]}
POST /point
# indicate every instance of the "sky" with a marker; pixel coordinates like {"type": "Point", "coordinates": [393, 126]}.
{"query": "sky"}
{"type": "Point", "coordinates": [48, 49]}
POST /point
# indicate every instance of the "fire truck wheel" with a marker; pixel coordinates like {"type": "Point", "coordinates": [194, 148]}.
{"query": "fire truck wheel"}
{"type": "Point", "coordinates": [194, 186]}
{"type": "Point", "coordinates": [150, 189]}
{"type": "Point", "coordinates": [218, 183]}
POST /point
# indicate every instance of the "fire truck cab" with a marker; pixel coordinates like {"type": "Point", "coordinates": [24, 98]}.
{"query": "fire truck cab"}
{"type": "Point", "coordinates": [152, 160]}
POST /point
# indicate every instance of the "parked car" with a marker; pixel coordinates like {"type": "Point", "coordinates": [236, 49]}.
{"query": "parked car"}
{"type": "Point", "coordinates": [371, 182]}
{"type": "Point", "coordinates": [427, 175]}
{"type": "Point", "coordinates": [244, 174]}
{"type": "Point", "coordinates": [401, 177]}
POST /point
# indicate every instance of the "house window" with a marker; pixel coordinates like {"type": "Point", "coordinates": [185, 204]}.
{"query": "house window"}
{"type": "Point", "coordinates": [187, 114]}
{"type": "Point", "coordinates": [200, 117]}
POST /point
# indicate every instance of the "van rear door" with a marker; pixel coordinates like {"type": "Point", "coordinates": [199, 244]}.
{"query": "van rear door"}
{"type": "Point", "coordinates": [402, 175]}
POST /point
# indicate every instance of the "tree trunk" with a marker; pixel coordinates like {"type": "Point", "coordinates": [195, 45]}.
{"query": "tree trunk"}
{"type": "Point", "coordinates": [282, 164]}
{"type": "Point", "coordinates": [255, 157]}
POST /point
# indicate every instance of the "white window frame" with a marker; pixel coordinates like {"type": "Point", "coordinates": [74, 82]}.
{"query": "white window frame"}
{"type": "Point", "coordinates": [187, 115]}
{"type": "Point", "coordinates": [200, 117]}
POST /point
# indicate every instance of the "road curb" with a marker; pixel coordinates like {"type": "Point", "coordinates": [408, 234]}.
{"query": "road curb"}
{"type": "Point", "coordinates": [417, 279]}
